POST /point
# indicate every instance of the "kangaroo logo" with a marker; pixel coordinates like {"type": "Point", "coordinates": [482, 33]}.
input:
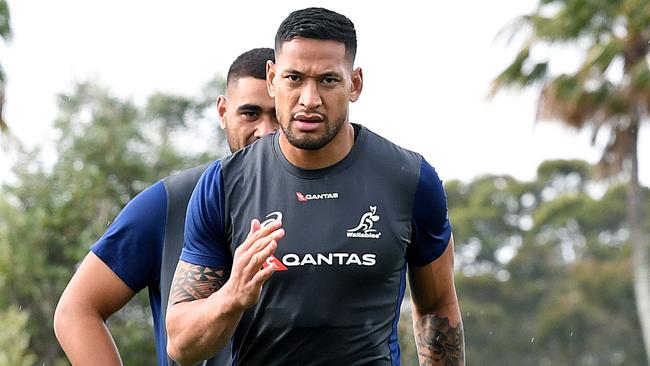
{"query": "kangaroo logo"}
{"type": "Point", "coordinates": [365, 227]}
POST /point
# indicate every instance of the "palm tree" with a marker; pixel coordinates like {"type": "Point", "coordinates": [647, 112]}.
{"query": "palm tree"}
{"type": "Point", "coordinates": [609, 92]}
{"type": "Point", "coordinates": [5, 34]}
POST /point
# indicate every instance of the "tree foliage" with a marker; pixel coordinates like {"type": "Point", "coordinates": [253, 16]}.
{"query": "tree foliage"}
{"type": "Point", "coordinates": [14, 339]}
{"type": "Point", "coordinates": [5, 35]}
{"type": "Point", "coordinates": [108, 150]}
{"type": "Point", "coordinates": [607, 91]}
{"type": "Point", "coordinates": [543, 270]}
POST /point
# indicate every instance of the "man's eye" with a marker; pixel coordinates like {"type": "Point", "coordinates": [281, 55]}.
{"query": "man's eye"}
{"type": "Point", "coordinates": [250, 115]}
{"type": "Point", "coordinates": [292, 77]}
{"type": "Point", "coordinates": [329, 80]}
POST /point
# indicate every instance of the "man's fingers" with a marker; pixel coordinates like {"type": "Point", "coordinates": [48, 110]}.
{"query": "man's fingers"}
{"type": "Point", "coordinates": [248, 261]}
{"type": "Point", "coordinates": [250, 239]}
{"type": "Point", "coordinates": [268, 228]}
{"type": "Point", "coordinates": [253, 235]}
{"type": "Point", "coordinates": [262, 275]}
{"type": "Point", "coordinates": [277, 234]}
{"type": "Point", "coordinates": [245, 253]}
{"type": "Point", "coordinates": [263, 241]}
{"type": "Point", "coordinates": [255, 225]}
{"type": "Point", "coordinates": [249, 272]}
{"type": "Point", "coordinates": [257, 259]}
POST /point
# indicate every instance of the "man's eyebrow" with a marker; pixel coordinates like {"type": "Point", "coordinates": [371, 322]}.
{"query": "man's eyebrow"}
{"type": "Point", "coordinates": [331, 74]}
{"type": "Point", "coordinates": [291, 71]}
{"type": "Point", "coordinates": [328, 73]}
{"type": "Point", "coordinates": [249, 107]}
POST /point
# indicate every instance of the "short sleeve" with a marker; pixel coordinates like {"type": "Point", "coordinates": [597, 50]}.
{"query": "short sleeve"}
{"type": "Point", "coordinates": [132, 245]}
{"type": "Point", "coordinates": [206, 242]}
{"type": "Point", "coordinates": [431, 228]}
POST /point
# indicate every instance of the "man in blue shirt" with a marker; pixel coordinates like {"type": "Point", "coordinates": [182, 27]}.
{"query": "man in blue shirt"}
{"type": "Point", "coordinates": [338, 217]}
{"type": "Point", "coordinates": [142, 246]}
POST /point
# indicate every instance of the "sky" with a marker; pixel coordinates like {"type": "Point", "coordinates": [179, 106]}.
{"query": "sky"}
{"type": "Point", "coordinates": [427, 71]}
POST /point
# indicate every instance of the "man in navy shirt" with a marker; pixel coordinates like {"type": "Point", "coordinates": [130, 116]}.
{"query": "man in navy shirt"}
{"type": "Point", "coordinates": [138, 250]}
{"type": "Point", "coordinates": [338, 217]}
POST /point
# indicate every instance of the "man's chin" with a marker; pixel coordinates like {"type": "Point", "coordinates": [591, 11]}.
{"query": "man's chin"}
{"type": "Point", "coordinates": [308, 143]}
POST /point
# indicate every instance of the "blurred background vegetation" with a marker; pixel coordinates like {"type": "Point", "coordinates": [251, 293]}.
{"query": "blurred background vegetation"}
{"type": "Point", "coordinates": [108, 150]}
{"type": "Point", "coordinates": [549, 271]}
{"type": "Point", "coordinates": [544, 274]}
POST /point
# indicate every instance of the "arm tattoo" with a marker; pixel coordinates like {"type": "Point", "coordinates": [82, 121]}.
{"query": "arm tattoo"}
{"type": "Point", "coordinates": [192, 282]}
{"type": "Point", "coordinates": [438, 343]}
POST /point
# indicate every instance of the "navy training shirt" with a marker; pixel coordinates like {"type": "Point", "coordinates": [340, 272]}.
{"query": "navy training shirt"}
{"type": "Point", "coordinates": [140, 248]}
{"type": "Point", "coordinates": [132, 249]}
{"type": "Point", "coordinates": [350, 229]}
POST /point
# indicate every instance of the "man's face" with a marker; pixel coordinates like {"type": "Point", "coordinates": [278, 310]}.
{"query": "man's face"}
{"type": "Point", "coordinates": [248, 113]}
{"type": "Point", "coordinates": [312, 82]}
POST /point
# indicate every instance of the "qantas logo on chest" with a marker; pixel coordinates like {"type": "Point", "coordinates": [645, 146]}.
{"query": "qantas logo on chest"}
{"type": "Point", "coordinates": [316, 196]}
{"type": "Point", "coordinates": [321, 259]}
{"type": "Point", "coordinates": [329, 259]}
{"type": "Point", "coordinates": [326, 259]}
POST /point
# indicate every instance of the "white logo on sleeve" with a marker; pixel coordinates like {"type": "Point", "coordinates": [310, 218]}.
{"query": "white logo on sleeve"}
{"type": "Point", "coordinates": [365, 227]}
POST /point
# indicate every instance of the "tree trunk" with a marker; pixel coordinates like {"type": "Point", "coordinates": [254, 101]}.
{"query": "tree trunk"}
{"type": "Point", "coordinates": [640, 246]}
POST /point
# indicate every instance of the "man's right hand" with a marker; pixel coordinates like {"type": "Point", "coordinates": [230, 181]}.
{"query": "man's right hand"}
{"type": "Point", "coordinates": [244, 286]}
{"type": "Point", "coordinates": [206, 303]}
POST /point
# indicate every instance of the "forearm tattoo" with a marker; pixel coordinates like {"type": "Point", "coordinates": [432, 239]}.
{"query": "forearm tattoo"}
{"type": "Point", "coordinates": [438, 343]}
{"type": "Point", "coordinates": [192, 282]}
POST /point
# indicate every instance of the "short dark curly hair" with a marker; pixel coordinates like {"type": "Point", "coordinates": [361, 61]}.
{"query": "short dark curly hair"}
{"type": "Point", "coordinates": [318, 23]}
{"type": "Point", "coordinates": [250, 64]}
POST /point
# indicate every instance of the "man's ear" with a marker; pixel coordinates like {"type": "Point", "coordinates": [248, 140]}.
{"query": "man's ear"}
{"type": "Point", "coordinates": [222, 107]}
{"type": "Point", "coordinates": [357, 84]}
{"type": "Point", "coordinates": [270, 75]}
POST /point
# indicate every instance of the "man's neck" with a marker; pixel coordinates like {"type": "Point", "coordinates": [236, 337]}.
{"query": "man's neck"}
{"type": "Point", "coordinates": [330, 154]}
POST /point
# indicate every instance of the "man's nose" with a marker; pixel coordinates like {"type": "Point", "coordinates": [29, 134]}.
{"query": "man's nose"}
{"type": "Point", "coordinates": [309, 95]}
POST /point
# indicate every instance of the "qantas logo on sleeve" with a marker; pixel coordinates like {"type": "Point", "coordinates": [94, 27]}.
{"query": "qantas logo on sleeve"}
{"type": "Point", "coordinates": [316, 196]}
{"type": "Point", "coordinates": [365, 228]}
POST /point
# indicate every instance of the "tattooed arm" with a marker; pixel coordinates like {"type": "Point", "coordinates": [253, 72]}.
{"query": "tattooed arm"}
{"type": "Point", "coordinates": [437, 322]}
{"type": "Point", "coordinates": [206, 304]}
{"type": "Point", "coordinates": [191, 304]}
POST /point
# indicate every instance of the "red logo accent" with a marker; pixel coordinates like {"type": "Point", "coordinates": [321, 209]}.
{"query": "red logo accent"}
{"type": "Point", "coordinates": [273, 261]}
{"type": "Point", "coordinates": [301, 197]}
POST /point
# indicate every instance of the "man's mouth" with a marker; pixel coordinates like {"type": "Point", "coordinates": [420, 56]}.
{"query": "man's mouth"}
{"type": "Point", "coordinates": [308, 122]}
{"type": "Point", "coordinates": [308, 117]}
